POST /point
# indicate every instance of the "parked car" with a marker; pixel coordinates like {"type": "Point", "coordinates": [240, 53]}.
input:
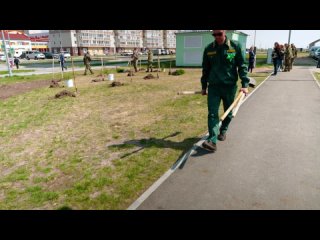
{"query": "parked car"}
{"type": "Point", "coordinates": [48, 55]}
{"type": "Point", "coordinates": [2, 57]}
{"type": "Point", "coordinates": [66, 54]}
{"type": "Point", "coordinates": [312, 50]}
{"type": "Point", "coordinates": [157, 51]}
{"type": "Point", "coordinates": [127, 53]}
{"type": "Point", "coordinates": [317, 54]}
{"type": "Point", "coordinates": [34, 55]}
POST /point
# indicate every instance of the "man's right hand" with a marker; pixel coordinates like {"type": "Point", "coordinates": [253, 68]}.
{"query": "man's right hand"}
{"type": "Point", "coordinates": [204, 92]}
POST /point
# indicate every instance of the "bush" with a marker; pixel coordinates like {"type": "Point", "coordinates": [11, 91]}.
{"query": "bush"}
{"type": "Point", "coordinates": [178, 72]}
{"type": "Point", "coordinates": [120, 70]}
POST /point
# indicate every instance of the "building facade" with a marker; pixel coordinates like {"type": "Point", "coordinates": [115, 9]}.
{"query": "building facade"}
{"type": "Point", "coordinates": [16, 43]}
{"type": "Point", "coordinates": [153, 39]}
{"type": "Point", "coordinates": [169, 39]}
{"type": "Point", "coordinates": [101, 42]}
{"type": "Point", "coordinates": [128, 40]}
{"type": "Point", "coordinates": [63, 40]}
{"type": "Point", "coordinates": [97, 42]}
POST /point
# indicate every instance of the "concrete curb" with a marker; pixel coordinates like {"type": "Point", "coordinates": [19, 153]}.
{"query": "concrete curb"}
{"type": "Point", "coordinates": [314, 78]}
{"type": "Point", "coordinates": [177, 164]}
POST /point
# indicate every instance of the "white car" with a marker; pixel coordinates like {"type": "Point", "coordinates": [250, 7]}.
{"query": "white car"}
{"type": "Point", "coordinates": [2, 58]}
{"type": "Point", "coordinates": [66, 54]}
{"type": "Point", "coordinates": [34, 55]}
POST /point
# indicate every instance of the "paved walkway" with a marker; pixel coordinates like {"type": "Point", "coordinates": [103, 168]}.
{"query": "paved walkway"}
{"type": "Point", "coordinates": [270, 160]}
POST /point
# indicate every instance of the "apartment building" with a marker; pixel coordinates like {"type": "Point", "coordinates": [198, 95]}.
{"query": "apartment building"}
{"type": "Point", "coordinates": [97, 42]}
{"type": "Point", "coordinates": [128, 40]}
{"type": "Point", "coordinates": [63, 40]}
{"type": "Point", "coordinates": [153, 39]}
{"type": "Point", "coordinates": [169, 39]}
{"type": "Point", "coordinates": [100, 42]}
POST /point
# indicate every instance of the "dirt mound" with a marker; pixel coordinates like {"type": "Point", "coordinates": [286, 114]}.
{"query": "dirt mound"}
{"type": "Point", "coordinates": [130, 74]}
{"type": "Point", "coordinates": [116, 84]}
{"type": "Point", "coordinates": [98, 80]}
{"type": "Point", "coordinates": [64, 93]}
{"type": "Point", "coordinates": [55, 84]}
{"type": "Point", "coordinates": [149, 76]}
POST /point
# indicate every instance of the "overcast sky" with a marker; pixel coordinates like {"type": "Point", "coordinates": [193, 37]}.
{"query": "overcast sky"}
{"type": "Point", "coordinates": [266, 38]}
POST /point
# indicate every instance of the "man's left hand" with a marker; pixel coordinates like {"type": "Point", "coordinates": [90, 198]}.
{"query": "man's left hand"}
{"type": "Point", "coordinates": [245, 91]}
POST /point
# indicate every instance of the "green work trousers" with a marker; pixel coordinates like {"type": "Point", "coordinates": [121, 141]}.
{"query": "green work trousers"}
{"type": "Point", "coordinates": [215, 95]}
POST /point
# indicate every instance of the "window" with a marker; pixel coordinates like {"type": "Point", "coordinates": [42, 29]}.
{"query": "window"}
{"type": "Point", "coordinates": [193, 42]}
{"type": "Point", "coordinates": [75, 42]}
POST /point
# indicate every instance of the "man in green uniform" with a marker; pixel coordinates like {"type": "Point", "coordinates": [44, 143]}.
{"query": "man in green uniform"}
{"type": "Point", "coordinates": [86, 61]}
{"type": "Point", "coordinates": [294, 55]}
{"type": "Point", "coordinates": [222, 62]}
{"type": "Point", "coordinates": [135, 58]}
{"type": "Point", "coordinates": [287, 57]}
{"type": "Point", "coordinates": [150, 60]}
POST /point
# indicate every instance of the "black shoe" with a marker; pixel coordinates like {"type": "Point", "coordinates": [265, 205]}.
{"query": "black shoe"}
{"type": "Point", "coordinates": [210, 146]}
{"type": "Point", "coordinates": [222, 136]}
{"type": "Point", "coordinates": [273, 74]}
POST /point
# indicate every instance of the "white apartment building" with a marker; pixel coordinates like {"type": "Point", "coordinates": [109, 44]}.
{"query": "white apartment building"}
{"type": "Point", "coordinates": [100, 42]}
{"type": "Point", "coordinates": [153, 39]}
{"type": "Point", "coordinates": [128, 39]}
{"type": "Point", "coordinates": [169, 39]}
{"type": "Point", "coordinates": [97, 42]}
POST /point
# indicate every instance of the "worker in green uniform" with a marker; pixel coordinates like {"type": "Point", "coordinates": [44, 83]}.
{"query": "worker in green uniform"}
{"type": "Point", "coordinates": [150, 60]}
{"type": "Point", "coordinates": [223, 62]}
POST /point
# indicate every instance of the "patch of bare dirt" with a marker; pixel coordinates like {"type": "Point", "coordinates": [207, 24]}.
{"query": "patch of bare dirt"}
{"type": "Point", "coordinates": [10, 90]}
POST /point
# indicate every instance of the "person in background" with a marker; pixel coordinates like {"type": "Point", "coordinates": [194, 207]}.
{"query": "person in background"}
{"type": "Point", "coordinates": [16, 62]}
{"type": "Point", "coordinates": [62, 61]}
{"type": "Point", "coordinates": [252, 57]}
{"type": "Point", "coordinates": [287, 57]}
{"type": "Point", "coordinates": [276, 57]}
{"type": "Point", "coordinates": [281, 65]}
{"type": "Point", "coordinates": [86, 61]}
{"type": "Point", "coordinates": [294, 54]}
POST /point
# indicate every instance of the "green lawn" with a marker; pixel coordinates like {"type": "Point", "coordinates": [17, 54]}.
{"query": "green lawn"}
{"type": "Point", "coordinates": [317, 75]}
{"type": "Point", "coordinates": [102, 149]}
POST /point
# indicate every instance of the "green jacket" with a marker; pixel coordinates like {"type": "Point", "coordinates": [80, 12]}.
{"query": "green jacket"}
{"type": "Point", "coordinates": [222, 64]}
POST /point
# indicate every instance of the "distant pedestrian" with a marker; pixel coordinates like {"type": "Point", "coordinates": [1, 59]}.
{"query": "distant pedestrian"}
{"type": "Point", "coordinates": [287, 57]}
{"type": "Point", "coordinates": [252, 57]}
{"type": "Point", "coordinates": [150, 60]}
{"type": "Point", "coordinates": [86, 61]}
{"type": "Point", "coordinates": [135, 58]}
{"type": "Point", "coordinates": [281, 61]}
{"type": "Point", "coordinates": [276, 57]}
{"type": "Point", "coordinates": [62, 61]}
{"type": "Point", "coordinates": [318, 65]}
{"type": "Point", "coordinates": [16, 62]}
{"type": "Point", "coordinates": [294, 54]}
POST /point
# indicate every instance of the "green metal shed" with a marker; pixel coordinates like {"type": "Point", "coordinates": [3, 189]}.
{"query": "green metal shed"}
{"type": "Point", "coordinates": [190, 45]}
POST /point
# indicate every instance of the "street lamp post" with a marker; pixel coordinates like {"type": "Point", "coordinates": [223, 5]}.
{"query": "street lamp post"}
{"type": "Point", "coordinates": [289, 37]}
{"type": "Point", "coordinates": [5, 50]}
{"type": "Point", "coordinates": [254, 42]}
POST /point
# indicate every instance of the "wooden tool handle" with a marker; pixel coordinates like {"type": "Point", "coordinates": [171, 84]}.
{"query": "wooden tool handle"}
{"type": "Point", "coordinates": [232, 106]}
{"type": "Point", "coordinates": [189, 92]}
{"type": "Point", "coordinates": [235, 110]}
